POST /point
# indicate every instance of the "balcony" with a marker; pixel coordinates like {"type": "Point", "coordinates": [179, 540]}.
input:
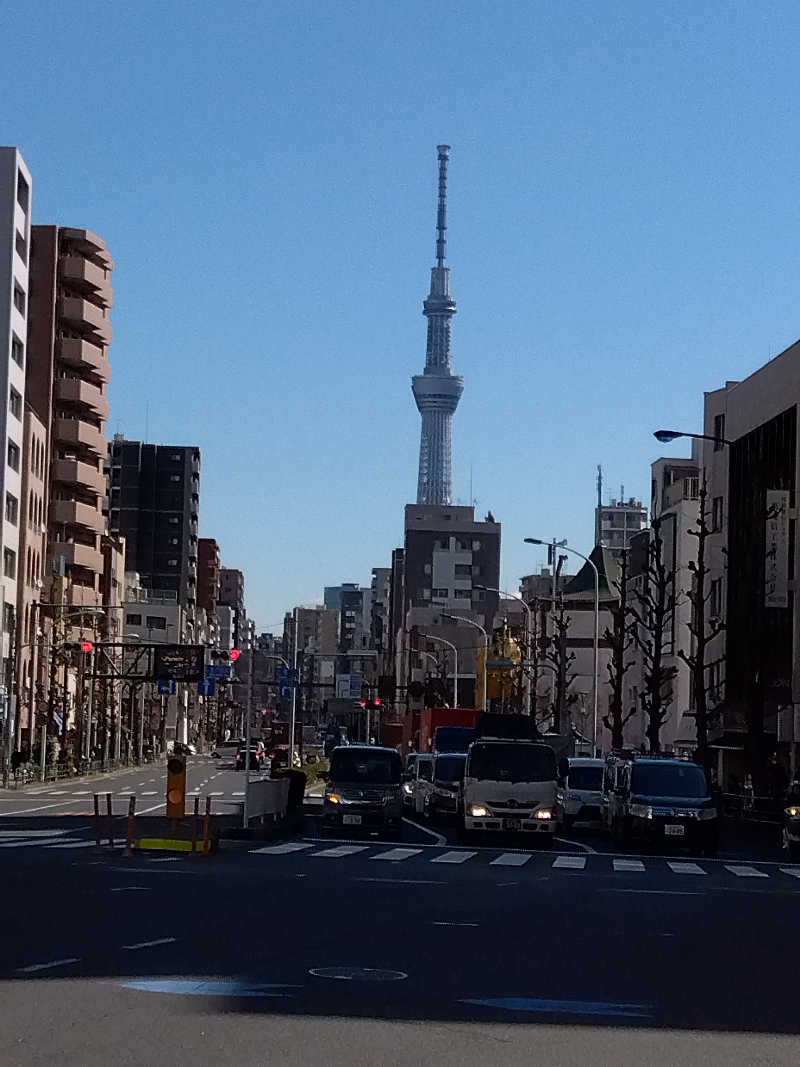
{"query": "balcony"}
{"type": "Point", "coordinates": [77, 555]}
{"type": "Point", "coordinates": [684, 489]}
{"type": "Point", "coordinates": [82, 314]}
{"type": "Point", "coordinates": [82, 274]}
{"type": "Point", "coordinates": [74, 432]}
{"type": "Point", "coordinates": [86, 356]}
{"type": "Point", "coordinates": [73, 472]}
{"type": "Point", "coordinates": [74, 513]}
{"type": "Point", "coordinates": [76, 391]}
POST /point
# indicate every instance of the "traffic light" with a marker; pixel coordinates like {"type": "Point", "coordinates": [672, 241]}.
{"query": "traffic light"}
{"type": "Point", "coordinates": [77, 646]}
{"type": "Point", "coordinates": [176, 786]}
{"type": "Point", "coordinates": [234, 654]}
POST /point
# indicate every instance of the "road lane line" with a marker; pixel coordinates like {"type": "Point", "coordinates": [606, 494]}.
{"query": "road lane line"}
{"type": "Point", "coordinates": [28, 811]}
{"type": "Point", "coordinates": [30, 843]}
{"type": "Point", "coordinates": [152, 793]}
{"type": "Point", "coordinates": [743, 871]}
{"type": "Point", "coordinates": [342, 850]}
{"type": "Point", "coordinates": [440, 838]}
{"type": "Point", "coordinates": [155, 807]}
{"type": "Point", "coordinates": [401, 881]}
{"type": "Point", "coordinates": [454, 924]}
{"type": "Point", "coordinates": [30, 833]}
{"type": "Point", "coordinates": [661, 892]}
{"type": "Point", "coordinates": [685, 868]}
{"type": "Point", "coordinates": [397, 854]}
{"type": "Point", "coordinates": [46, 966]}
{"type": "Point", "coordinates": [571, 863]}
{"type": "Point", "coordinates": [454, 857]}
{"type": "Point", "coordinates": [793, 871]}
{"type": "Point", "coordinates": [577, 844]}
{"type": "Point", "coordinates": [511, 859]}
{"type": "Point", "coordinates": [150, 944]}
{"type": "Point", "coordinates": [628, 865]}
{"type": "Point", "coordinates": [281, 850]}
{"type": "Point", "coordinates": [73, 844]}
{"type": "Point", "coordinates": [131, 889]}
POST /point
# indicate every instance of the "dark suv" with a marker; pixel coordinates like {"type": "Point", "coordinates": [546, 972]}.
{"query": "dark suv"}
{"type": "Point", "coordinates": [363, 790]}
{"type": "Point", "coordinates": [665, 801]}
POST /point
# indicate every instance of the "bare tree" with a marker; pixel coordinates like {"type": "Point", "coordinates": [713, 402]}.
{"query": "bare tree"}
{"type": "Point", "coordinates": [561, 660]}
{"type": "Point", "coordinates": [702, 630]}
{"type": "Point", "coordinates": [653, 611]}
{"type": "Point", "coordinates": [620, 639]}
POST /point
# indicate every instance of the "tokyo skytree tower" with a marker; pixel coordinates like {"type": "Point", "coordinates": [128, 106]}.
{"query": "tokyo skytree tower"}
{"type": "Point", "coordinates": [437, 390]}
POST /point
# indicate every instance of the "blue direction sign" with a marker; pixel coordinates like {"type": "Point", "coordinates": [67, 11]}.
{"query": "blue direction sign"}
{"type": "Point", "coordinates": [207, 688]}
{"type": "Point", "coordinates": [218, 670]}
{"type": "Point", "coordinates": [166, 687]}
{"type": "Point", "coordinates": [286, 692]}
{"type": "Point", "coordinates": [281, 674]}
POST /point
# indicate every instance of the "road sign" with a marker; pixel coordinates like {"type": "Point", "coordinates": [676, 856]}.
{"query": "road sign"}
{"type": "Point", "coordinates": [183, 663]}
{"type": "Point", "coordinates": [218, 670]}
{"type": "Point", "coordinates": [166, 687]}
{"type": "Point", "coordinates": [280, 673]}
{"type": "Point", "coordinates": [208, 688]}
{"type": "Point", "coordinates": [286, 692]}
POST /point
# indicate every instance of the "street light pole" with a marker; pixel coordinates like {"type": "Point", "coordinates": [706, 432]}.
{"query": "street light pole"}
{"type": "Point", "coordinates": [433, 637]}
{"type": "Point", "coordinates": [596, 642]}
{"type": "Point", "coordinates": [294, 697]}
{"type": "Point", "coordinates": [463, 618]}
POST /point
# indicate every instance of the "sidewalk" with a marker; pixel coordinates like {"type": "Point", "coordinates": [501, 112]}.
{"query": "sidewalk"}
{"type": "Point", "coordinates": [53, 778]}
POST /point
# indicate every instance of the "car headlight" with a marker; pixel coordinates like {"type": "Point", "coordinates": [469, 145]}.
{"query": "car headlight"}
{"type": "Point", "coordinates": [641, 811]}
{"type": "Point", "coordinates": [477, 811]}
{"type": "Point", "coordinates": [407, 788]}
{"type": "Point", "coordinates": [544, 813]}
{"type": "Point", "coordinates": [334, 798]}
{"type": "Point", "coordinates": [793, 812]}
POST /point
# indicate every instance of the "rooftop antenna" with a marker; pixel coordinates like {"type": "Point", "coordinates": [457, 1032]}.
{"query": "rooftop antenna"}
{"type": "Point", "coordinates": [443, 151]}
{"type": "Point", "coordinates": [599, 486]}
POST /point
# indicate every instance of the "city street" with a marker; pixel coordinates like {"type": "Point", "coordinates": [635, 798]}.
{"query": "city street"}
{"type": "Point", "coordinates": [262, 956]}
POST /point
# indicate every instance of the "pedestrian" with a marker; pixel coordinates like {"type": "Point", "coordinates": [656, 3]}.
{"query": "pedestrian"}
{"type": "Point", "coordinates": [16, 760]}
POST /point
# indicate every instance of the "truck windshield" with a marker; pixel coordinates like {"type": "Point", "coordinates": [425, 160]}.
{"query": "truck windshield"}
{"type": "Point", "coordinates": [669, 780]}
{"type": "Point", "coordinates": [449, 768]}
{"type": "Point", "coordinates": [585, 778]}
{"type": "Point", "coordinates": [376, 768]}
{"type": "Point", "coordinates": [511, 762]}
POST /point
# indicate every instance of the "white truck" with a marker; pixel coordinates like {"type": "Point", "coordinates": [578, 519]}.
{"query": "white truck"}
{"type": "Point", "coordinates": [510, 780]}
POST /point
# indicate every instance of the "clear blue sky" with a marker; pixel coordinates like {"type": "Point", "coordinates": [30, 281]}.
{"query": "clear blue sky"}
{"type": "Point", "coordinates": [624, 218]}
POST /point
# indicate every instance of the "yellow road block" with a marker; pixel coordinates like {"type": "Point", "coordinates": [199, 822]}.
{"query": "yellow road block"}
{"type": "Point", "coordinates": [167, 844]}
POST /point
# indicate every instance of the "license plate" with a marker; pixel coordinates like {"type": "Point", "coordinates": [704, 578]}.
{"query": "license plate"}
{"type": "Point", "coordinates": [511, 824]}
{"type": "Point", "coordinates": [351, 820]}
{"type": "Point", "coordinates": [673, 830]}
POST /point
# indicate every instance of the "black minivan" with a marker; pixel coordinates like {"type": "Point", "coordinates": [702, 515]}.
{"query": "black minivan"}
{"type": "Point", "coordinates": [663, 800]}
{"type": "Point", "coordinates": [363, 789]}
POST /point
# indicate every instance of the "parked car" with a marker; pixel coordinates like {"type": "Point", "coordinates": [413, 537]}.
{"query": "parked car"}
{"type": "Point", "coordinates": [363, 790]}
{"type": "Point", "coordinates": [579, 791]}
{"type": "Point", "coordinates": [226, 750]}
{"type": "Point", "coordinates": [257, 757]}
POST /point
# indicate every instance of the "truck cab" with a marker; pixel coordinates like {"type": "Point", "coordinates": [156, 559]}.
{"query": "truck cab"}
{"type": "Point", "coordinates": [510, 786]}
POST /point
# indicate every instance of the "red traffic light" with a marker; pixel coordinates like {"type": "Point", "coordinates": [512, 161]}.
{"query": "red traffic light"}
{"type": "Point", "coordinates": [86, 646]}
{"type": "Point", "coordinates": [362, 703]}
{"type": "Point", "coordinates": [377, 702]}
{"type": "Point", "coordinates": [234, 654]}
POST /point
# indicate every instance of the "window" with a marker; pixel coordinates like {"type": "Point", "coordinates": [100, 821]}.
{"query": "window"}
{"type": "Point", "coordinates": [15, 403]}
{"type": "Point", "coordinates": [427, 568]}
{"type": "Point", "coordinates": [133, 619]}
{"type": "Point", "coordinates": [8, 618]}
{"type": "Point", "coordinates": [478, 594]}
{"type": "Point", "coordinates": [9, 563]}
{"type": "Point", "coordinates": [719, 432]}
{"type": "Point", "coordinates": [716, 514]}
{"type": "Point", "coordinates": [13, 456]}
{"type": "Point", "coordinates": [463, 594]}
{"type": "Point", "coordinates": [23, 192]}
{"type": "Point", "coordinates": [12, 509]}
{"type": "Point", "coordinates": [476, 546]}
{"type": "Point", "coordinates": [19, 298]}
{"type": "Point", "coordinates": [463, 570]}
{"type": "Point", "coordinates": [174, 520]}
{"type": "Point", "coordinates": [439, 593]}
{"type": "Point", "coordinates": [172, 563]}
{"type": "Point", "coordinates": [17, 350]}
{"type": "Point", "coordinates": [21, 247]}
{"type": "Point", "coordinates": [715, 600]}
{"type": "Point", "coordinates": [156, 622]}
{"type": "Point", "coordinates": [174, 477]}
{"type": "Point", "coordinates": [174, 541]}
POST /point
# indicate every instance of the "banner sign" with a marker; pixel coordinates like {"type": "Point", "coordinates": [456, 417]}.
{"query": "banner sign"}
{"type": "Point", "coordinates": [776, 551]}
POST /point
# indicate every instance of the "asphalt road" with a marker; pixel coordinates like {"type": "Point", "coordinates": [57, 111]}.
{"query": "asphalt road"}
{"type": "Point", "coordinates": [370, 952]}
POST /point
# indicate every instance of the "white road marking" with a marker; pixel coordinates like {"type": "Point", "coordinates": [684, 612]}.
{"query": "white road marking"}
{"type": "Point", "coordinates": [131, 889]}
{"type": "Point", "coordinates": [46, 966]}
{"type": "Point", "coordinates": [660, 892]}
{"type": "Point", "coordinates": [342, 850]}
{"type": "Point", "coordinates": [155, 807]}
{"type": "Point", "coordinates": [28, 811]}
{"type": "Point", "coordinates": [396, 854]}
{"type": "Point", "coordinates": [149, 944]}
{"type": "Point", "coordinates": [153, 793]}
{"type": "Point", "coordinates": [80, 793]}
{"type": "Point", "coordinates": [454, 857]}
{"type": "Point", "coordinates": [235, 794]}
{"type": "Point", "coordinates": [281, 850]}
{"type": "Point", "coordinates": [577, 844]}
{"type": "Point", "coordinates": [440, 838]}
{"type": "Point", "coordinates": [216, 794]}
{"type": "Point", "coordinates": [29, 843]}
{"type": "Point", "coordinates": [685, 868]}
{"type": "Point", "coordinates": [572, 863]}
{"type": "Point", "coordinates": [628, 865]}
{"type": "Point", "coordinates": [454, 924]}
{"type": "Point", "coordinates": [30, 833]}
{"type": "Point", "coordinates": [793, 871]}
{"type": "Point", "coordinates": [511, 859]}
{"type": "Point", "coordinates": [401, 881]}
{"type": "Point", "coordinates": [742, 871]}
{"type": "Point", "coordinates": [76, 844]}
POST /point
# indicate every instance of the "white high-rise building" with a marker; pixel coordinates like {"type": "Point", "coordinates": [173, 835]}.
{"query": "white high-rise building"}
{"type": "Point", "coordinates": [16, 189]}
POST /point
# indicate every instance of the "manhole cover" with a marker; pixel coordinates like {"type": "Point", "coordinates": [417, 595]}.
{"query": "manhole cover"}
{"type": "Point", "coordinates": [358, 974]}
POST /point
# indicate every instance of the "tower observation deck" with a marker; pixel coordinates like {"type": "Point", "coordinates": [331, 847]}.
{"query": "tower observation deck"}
{"type": "Point", "coordinates": [437, 390]}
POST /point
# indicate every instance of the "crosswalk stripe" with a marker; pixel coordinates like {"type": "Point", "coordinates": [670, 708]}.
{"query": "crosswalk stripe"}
{"type": "Point", "coordinates": [628, 865]}
{"type": "Point", "coordinates": [30, 833]}
{"type": "Point", "coordinates": [29, 843]}
{"type": "Point", "coordinates": [454, 857]}
{"type": "Point", "coordinates": [282, 850]}
{"type": "Point", "coordinates": [511, 859]}
{"type": "Point", "coordinates": [396, 854]}
{"type": "Point", "coordinates": [572, 863]}
{"type": "Point", "coordinates": [76, 844]}
{"type": "Point", "coordinates": [342, 850]}
{"type": "Point", "coordinates": [744, 872]}
{"type": "Point", "coordinates": [793, 871]}
{"type": "Point", "coordinates": [685, 868]}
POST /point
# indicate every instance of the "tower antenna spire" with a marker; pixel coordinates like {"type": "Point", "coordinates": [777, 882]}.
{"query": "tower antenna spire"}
{"type": "Point", "coordinates": [441, 213]}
